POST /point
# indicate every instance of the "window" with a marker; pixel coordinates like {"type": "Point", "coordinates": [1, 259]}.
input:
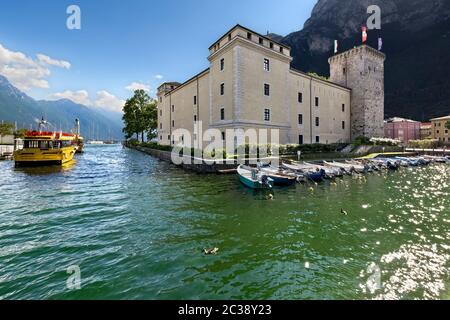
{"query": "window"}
{"type": "Point", "coordinates": [343, 125]}
{"type": "Point", "coordinates": [195, 100]}
{"type": "Point", "coordinates": [222, 89]}
{"type": "Point", "coordinates": [317, 101]}
{"type": "Point", "coordinates": [300, 119]}
{"type": "Point", "coordinates": [173, 108]}
{"type": "Point", "coordinates": [223, 135]}
{"type": "Point", "coordinates": [168, 137]}
{"type": "Point", "coordinates": [222, 64]}
{"type": "Point", "coordinates": [261, 41]}
{"type": "Point", "coordinates": [160, 126]}
{"type": "Point", "coordinates": [160, 113]}
{"type": "Point", "coordinates": [437, 131]}
{"type": "Point", "coordinates": [222, 114]}
{"type": "Point", "coordinates": [160, 99]}
{"type": "Point", "coordinates": [249, 36]}
{"type": "Point", "coordinates": [271, 45]}
{"type": "Point", "coordinates": [300, 97]}
{"type": "Point", "coordinates": [317, 139]}
{"type": "Point", "coordinates": [267, 89]}
{"type": "Point", "coordinates": [173, 123]}
{"type": "Point", "coordinates": [195, 118]}
{"type": "Point", "coordinates": [281, 49]}
{"type": "Point", "coordinates": [266, 114]}
{"type": "Point", "coordinates": [229, 37]}
{"type": "Point", "coordinates": [266, 65]}
{"type": "Point", "coordinates": [160, 138]}
{"type": "Point", "coordinates": [317, 121]}
{"type": "Point", "coordinates": [344, 71]}
{"type": "Point", "coordinates": [300, 139]}
{"type": "Point", "coordinates": [343, 107]}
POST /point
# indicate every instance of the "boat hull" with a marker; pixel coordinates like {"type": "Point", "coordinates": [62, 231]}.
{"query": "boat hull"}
{"type": "Point", "coordinates": [251, 184]}
{"type": "Point", "coordinates": [38, 157]}
{"type": "Point", "coordinates": [245, 179]}
{"type": "Point", "coordinates": [316, 176]}
{"type": "Point", "coordinates": [281, 181]}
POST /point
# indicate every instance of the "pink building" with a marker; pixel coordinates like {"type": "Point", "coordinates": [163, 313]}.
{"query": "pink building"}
{"type": "Point", "coordinates": [402, 129]}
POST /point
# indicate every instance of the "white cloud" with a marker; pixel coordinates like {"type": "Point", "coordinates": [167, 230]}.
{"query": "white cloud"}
{"type": "Point", "coordinates": [159, 77]}
{"type": "Point", "coordinates": [80, 97]}
{"type": "Point", "coordinates": [108, 101]}
{"type": "Point", "coordinates": [52, 62]}
{"type": "Point", "coordinates": [138, 86]}
{"type": "Point", "coordinates": [104, 99]}
{"type": "Point", "coordinates": [26, 73]}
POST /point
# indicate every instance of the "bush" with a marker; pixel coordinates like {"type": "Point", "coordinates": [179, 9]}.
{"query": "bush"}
{"type": "Point", "coordinates": [156, 146]}
{"type": "Point", "coordinates": [385, 142]}
{"type": "Point", "coordinates": [221, 153]}
{"type": "Point", "coordinates": [424, 144]}
{"type": "Point", "coordinates": [360, 141]}
{"type": "Point", "coordinates": [133, 142]}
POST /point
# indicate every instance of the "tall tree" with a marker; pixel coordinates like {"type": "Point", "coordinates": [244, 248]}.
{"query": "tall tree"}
{"type": "Point", "coordinates": [130, 119]}
{"type": "Point", "coordinates": [6, 129]}
{"type": "Point", "coordinates": [151, 119]}
{"type": "Point", "coordinates": [140, 116]}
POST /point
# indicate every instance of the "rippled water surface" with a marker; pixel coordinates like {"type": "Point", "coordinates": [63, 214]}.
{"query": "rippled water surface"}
{"type": "Point", "coordinates": [136, 227]}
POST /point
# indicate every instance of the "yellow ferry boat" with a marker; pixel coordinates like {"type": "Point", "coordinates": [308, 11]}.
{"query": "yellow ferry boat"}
{"type": "Point", "coordinates": [46, 148]}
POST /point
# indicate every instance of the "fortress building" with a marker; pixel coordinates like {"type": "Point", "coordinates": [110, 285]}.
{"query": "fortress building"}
{"type": "Point", "coordinates": [250, 84]}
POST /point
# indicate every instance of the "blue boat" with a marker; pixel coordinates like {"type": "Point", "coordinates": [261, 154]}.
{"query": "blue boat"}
{"type": "Point", "coordinates": [317, 176]}
{"type": "Point", "coordinates": [308, 172]}
{"type": "Point", "coordinates": [412, 162]}
{"type": "Point", "coordinates": [391, 164]}
{"type": "Point", "coordinates": [279, 176]}
{"type": "Point", "coordinates": [253, 178]}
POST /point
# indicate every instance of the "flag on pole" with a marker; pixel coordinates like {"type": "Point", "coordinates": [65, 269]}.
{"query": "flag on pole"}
{"type": "Point", "coordinates": [336, 46]}
{"type": "Point", "coordinates": [364, 34]}
{"type": "Point", "coordinates": [380, 44]}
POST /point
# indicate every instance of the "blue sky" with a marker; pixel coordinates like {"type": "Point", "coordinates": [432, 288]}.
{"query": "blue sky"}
{"type": "Point", "coordinates": [124, 42]}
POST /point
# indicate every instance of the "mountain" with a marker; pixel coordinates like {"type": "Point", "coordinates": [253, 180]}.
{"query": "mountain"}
{"type": "Point", "coordinates": [16, 106]}
{"type": "Point", "coordinates": [416, 40]}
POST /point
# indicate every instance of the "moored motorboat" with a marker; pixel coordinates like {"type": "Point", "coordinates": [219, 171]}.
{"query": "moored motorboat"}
{"type": "Point", "coordinates": [411, 161]}
{"type": "Point", "coordinates": [254, 178]}
{"type": "Point", "coordinates": [347, 168]}
{"type": "Point", "coordinates": [330, 172]}
{"type": "Point", "coordinates": [316, 175]}
{"type": "Point", "coordinates": [360, 165]}
{"type": "Point", "coordinates": [436, 159]}
{"type": "Point", "coordinates": [279, 176]}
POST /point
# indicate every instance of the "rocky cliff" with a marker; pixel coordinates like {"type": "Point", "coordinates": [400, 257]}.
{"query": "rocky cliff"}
{"type": "Point", "coordinates": [416, 40]}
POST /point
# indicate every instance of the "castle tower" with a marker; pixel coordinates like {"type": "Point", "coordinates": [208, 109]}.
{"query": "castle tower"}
{"type": "Point", "coordinates": [362, 70]}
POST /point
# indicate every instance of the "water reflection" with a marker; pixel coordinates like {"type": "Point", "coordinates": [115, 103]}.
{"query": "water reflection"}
{"type": "Point", "coordinates": [47, 170]}
{"type": "Point", "coordinates": [137, 227]}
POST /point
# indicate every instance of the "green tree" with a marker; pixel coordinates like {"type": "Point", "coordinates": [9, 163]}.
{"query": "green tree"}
{"type": "Point", "coordinates": [20, 133]}
{"type": "Point", "coordinates": [150, 116]}
{"type": "Point", "coordinates": [447, 125]}
{"type": "Point", "coordinates": [130, 118]}
{"type": "Point", "coordinates": [140, 116]}
{"type": "Point", "coordinates": [6, 129]}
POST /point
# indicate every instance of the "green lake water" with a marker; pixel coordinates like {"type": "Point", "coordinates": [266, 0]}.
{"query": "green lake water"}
{"type": "Point", "coordinates": [136, 228]}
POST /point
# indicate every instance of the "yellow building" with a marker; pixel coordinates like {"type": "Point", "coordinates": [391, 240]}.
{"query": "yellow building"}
{"type": "Point", "coordinates": [440, 130]}
{"type": "Point", "coordinates": [426, 131]}
{"type": "Point", "coordinates": [249, 84]}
